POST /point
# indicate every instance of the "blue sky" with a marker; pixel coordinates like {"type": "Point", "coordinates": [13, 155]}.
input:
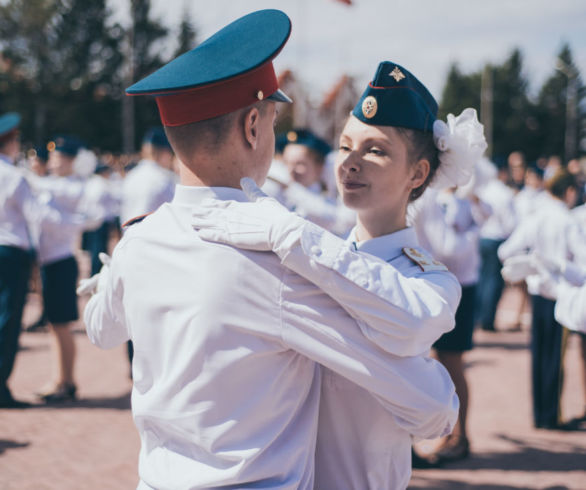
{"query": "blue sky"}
{"type": "Point", "coordinates": [425, 36]}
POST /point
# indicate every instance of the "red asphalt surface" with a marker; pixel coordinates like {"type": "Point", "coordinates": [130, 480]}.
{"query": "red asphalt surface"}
{"type": "Point", "coordinates": [92, 443]}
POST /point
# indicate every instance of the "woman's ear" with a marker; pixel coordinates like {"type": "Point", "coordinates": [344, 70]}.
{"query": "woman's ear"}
{"type": "Point", "coordinates": [420, 172]}
{"type": "Point", "coordinates": [251, 123]}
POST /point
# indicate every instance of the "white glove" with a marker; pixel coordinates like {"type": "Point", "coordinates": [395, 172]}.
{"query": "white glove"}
{"type": "Point", "coordinates": [263, 224]}
{"type": "Point", "coordinates": [517, 268]}
{"type": "Point", "coordinates": [98, 281]}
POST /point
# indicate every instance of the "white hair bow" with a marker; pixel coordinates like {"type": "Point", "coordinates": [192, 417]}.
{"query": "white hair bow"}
{"type": "Point", "coordinates": [461, 143]}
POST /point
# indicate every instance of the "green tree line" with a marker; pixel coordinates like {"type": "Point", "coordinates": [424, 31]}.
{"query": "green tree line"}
{"type": "Point", "coordinates": [64, 65]}
{"type": "Point", "coordinates": [540, 126]}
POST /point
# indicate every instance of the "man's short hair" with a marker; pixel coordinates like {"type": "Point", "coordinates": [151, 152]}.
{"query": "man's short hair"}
{"type": "Point", "coordinates": [209, 134]}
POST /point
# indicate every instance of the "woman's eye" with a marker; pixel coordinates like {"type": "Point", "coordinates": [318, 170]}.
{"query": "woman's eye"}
{"type": "Point", "coordinates": [344, 148]}
{"type": "Point", "coordinates": [376, 151]}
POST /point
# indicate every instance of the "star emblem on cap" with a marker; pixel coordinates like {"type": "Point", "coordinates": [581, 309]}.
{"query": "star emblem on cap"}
{"type": "Point", "coordinates": [397, 74]}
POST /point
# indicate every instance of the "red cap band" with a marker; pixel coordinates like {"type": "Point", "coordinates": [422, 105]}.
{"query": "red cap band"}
{"type": "Point", "coordinates": [200, 103]}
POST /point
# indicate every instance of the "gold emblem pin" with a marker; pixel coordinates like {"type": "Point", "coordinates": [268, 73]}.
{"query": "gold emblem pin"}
{"type": "Point", "coordinates": [260, 95]}
{"type": "Point", "coordinates": [397, 74]}
{"type": "Point", "coordinates": [291, 136]}
{"type": "Point", "coordinates": [369, 107]}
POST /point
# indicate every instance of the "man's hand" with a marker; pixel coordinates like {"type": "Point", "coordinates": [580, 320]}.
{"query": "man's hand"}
{"type": "Point", "coordinates": [262, 224]}
{"type": "Point", "coordinates": [98, 281]}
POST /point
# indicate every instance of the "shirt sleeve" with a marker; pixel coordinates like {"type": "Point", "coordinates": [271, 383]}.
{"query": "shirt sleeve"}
{"type": "Point", "coordinates": [402, 315]}
{"type": "Point", "coordinates": [570, 307]}
{"type": "Point", "coordinates": [520, 241]}
{"type": "Point", "coordinates": [104, 314]}
{"type": "Point", "coordinates": [417, 391]}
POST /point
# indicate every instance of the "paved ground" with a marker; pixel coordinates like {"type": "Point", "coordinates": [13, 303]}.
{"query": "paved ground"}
{"type": "Point", "coordinates": [92, 444]}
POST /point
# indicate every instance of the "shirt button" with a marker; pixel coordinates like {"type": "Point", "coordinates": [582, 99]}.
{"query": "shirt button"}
{"type": "Point", "coordinates": [315, 250]}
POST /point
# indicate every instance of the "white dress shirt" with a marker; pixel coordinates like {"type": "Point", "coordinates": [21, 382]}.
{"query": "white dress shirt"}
{"type": "Point", "coordinates": [227, 345]}
{"type": "Point", "coordinates": [548, 232]}
{"type": "Point", "coordinates": [527, 201]}
{"type": "Point", "coordinates": [401, 308]}
{"type": "Point", "coordinates": [59, 237]}
{"type": "Point", "coordinates": [502, 221]}
{"type": "Point", "coordinates": [145, 188]}
{"type": "Point", "coordinates": [570, 307]}
{"type": "Point", "coordinates": [446, 226]}
{"type": "Point", "coordinates": [101, 200]}
{"type": "Point", "coordinates": [19, 210]}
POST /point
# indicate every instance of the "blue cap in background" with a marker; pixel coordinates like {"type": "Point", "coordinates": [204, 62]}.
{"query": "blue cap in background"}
{"type": "Point", "coordinates": [9, 122]}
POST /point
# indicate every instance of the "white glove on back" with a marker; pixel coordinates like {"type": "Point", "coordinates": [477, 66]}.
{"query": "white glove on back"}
{"type": "Point", "coordinates": [263, 224]}
{"type": "Point", "coordinates": [98, 281]}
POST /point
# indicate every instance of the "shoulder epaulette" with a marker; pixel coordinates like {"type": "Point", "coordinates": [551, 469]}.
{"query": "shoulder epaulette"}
{"type": "Point", "coordinates": [424, 260]}
{"type": "Point", "coordinates": [133, 221]}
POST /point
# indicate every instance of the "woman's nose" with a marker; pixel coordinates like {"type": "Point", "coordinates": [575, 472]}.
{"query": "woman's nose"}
{"type": "Point", "coordinates": [350, 163]}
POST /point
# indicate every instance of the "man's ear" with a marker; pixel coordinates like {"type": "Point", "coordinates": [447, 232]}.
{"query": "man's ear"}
{"type": "Point", "coordinates": [251, 129]}
{"type": "Point", "coordinates": [420, 172]}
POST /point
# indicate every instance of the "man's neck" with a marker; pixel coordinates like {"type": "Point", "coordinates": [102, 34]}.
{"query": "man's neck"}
{"type": "Point", "coordinates": [201, 179]}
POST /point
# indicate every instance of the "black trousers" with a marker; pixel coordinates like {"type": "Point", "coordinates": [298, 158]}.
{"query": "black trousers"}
{"type": "Point", "coordinates": [15, 267]}
{"type": "Point", "coordinates": [490, 286]}
{"type": "Point", "coordinates": [547, 344]}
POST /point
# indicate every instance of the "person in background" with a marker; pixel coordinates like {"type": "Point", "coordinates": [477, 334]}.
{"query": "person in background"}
{"type": "Point", "coordinates": [527, 200]}
{"type": "Point", "coordinates": [101, 191]}
{"type": "Point", "coordinates": [493, 232]}
{"type": "Point", "coordinates": [568, 281]}
{"type": "Point", "coordinates": [16, 251]}
{"type": "Point", "coordinates": [37, 160]}
{"type": "Point", "coordinates": [517, 166]}
{"type": "Point", "coordinates": [557, 242]}
{"type": "Point", "coordinates": [448, 227]}
{"type": "Point", "coordinates": [152, 182]}
{"type": "Point", "coordinates": [302, 189]}
{"type": "Point", "coordinates": [63, 191]}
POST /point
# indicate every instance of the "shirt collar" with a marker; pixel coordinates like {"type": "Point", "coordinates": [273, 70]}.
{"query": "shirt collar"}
{"type": "Point", "coordinates": [186, 195]}
{"type": "Point", "coordinates": [386, 246]}
{"type": "Point", "coordinates": [6, 159]}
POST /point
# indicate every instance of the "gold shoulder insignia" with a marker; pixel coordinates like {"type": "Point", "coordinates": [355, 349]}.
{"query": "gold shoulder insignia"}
{"type": "Point", "coordinates": [424, 260]}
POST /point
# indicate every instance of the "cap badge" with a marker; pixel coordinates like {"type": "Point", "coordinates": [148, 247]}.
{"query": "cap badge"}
{"type": "Point", "coordinates": [369, 107]}
{"type": "Point", "coordinates": [260, 95]}
{"type": "Point", "coordinates": [397, 74]}
{"type": "Point", "coordinates": [291, 136]}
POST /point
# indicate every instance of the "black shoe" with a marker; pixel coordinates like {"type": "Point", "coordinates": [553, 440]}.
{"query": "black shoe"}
{"type": "Point", "coordinates": [62, 393]}
{"type": "Point", "coordinates": [421, 463]}
{"type": "Point", "coordinates": [453, 451]}
{"type": "Point", "coordinates": [10, 404]}
{"type": "Point", "coordinates": [571, 425]}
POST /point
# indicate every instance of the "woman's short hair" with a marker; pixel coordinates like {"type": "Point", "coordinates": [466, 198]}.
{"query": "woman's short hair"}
{"type": "Point", "coordinates": [420, 146]}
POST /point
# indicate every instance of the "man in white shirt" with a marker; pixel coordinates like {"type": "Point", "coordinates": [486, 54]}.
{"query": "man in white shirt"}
{"type": "Point", "coordinates": [16, 249]}
{"type": "Point", "coordinates": [548, 232]}
{"type": "Point", "coordinates": [152, 181]}
{"type": "Point", "coordinates": [228, 342]}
